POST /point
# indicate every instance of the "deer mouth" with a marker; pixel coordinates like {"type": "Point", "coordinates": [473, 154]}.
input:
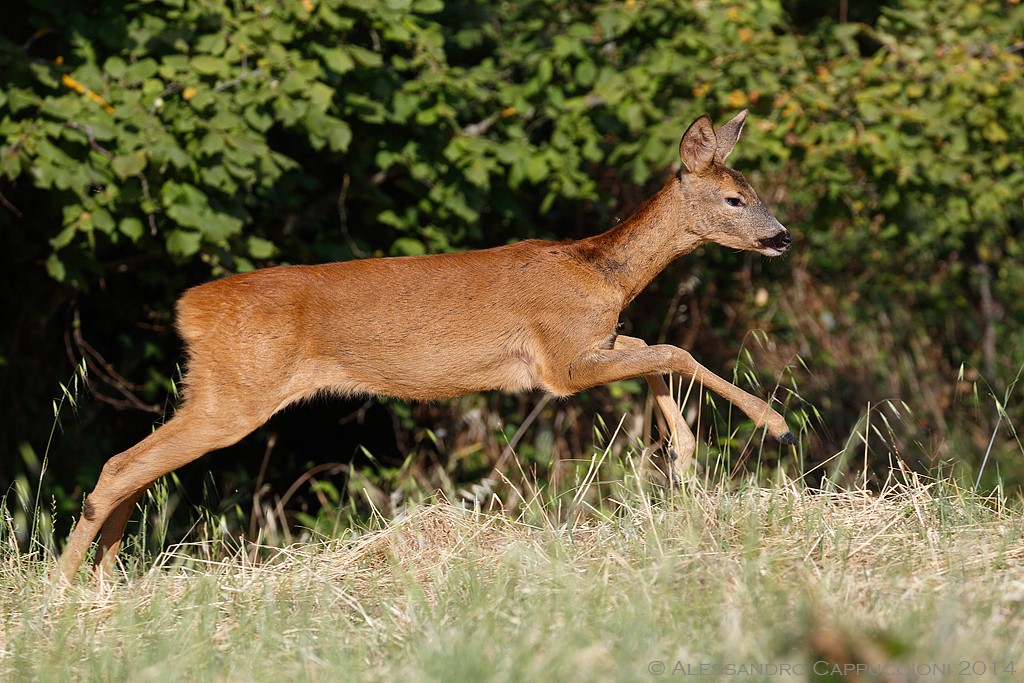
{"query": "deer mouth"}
{"type": "Point", "coordinates": [777, 244]}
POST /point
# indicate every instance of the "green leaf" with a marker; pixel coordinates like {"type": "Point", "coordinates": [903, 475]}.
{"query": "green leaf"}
{"type": "Point", "coordinates": [846, 35]}
{"type": "Point", "coordinates": [586, 73]}
{"type": "Point", "coordinates": [294, 83]}
{"type": "Point", "coordinates": [995, 133]}
{"type": "Point", "coordinates": [260, 248]}
{"type": "Point", "coordinates": [218, 226]}
{"type": "Point", "coordinates": [211, 144]}
{"type": "Point", "coordinates": [131, 227]}
{"type": "Point", "coordinates": [339, 134]}
{"type": "Point", "coordinates": [211, 43]}
{"type": "Point", "coordinates": [365, 57]}
{"type": "Point", "coordinates": [128, 165]}
{"type": "Point", "coordinates": [67, 107]}
{"type": "Point", "coordinates": [186, 205]}
{"type": "Point", "coordinates": [336, 59]}
{"type": "Point", "coordinates": [21, 98]}
{"type": "Point", "coordinates": [188, 216]}
{"type": "Point", "coordinates": [67, 234]}
{"type": "Point", "coordinates": [115, 67]}
{"type": "Point", "coordinates": [478, 174]}
{"type": "Point", "coordinates": [320, 95]}
{"type": "Point", "coordinates": [140, 70]}
{"type": "Point", "coordinates": [209, 66]}
{"type": "Point", "coordinates": [105, 128]}
{"type": "Point", "coordinates": [102, 220]}
{"type": "Point", "coordinates": [182, 193]}
{"type": "Point", "coordinates": [55, 268]}
{"type": "Point", "coordinates": [183, 242]}
{"type": "Point", "coordinates": [536, 168]}
{"type": "Point", "coordinates": [408, 246]}
{"type": "Point", "coordinates": [46, 73]}
{"type": "Point", "coordinates": [257, 118]}
{"type": "Point", "coordinates": [218, 177]}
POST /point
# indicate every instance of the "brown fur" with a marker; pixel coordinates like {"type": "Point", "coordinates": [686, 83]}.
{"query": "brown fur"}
{"type": "Point", "coordinates": [531, 315]}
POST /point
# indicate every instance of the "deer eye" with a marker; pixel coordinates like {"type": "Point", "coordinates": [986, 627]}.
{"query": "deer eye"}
{"type": "Point", "coordinates": [734, 201]}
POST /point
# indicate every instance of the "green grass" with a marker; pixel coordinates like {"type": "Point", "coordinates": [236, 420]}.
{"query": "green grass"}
{"type": "Point", "coordinates": [919, 575]}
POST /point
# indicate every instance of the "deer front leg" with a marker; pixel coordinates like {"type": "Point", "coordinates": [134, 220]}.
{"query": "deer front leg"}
{"type": "Point", "coordinates": [604, 366]}
{"type": "Point", "coordinates": [682, 444]}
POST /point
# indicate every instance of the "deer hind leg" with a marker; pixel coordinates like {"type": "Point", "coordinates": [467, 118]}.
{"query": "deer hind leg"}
{"type": "Point", "coordinates": [190, 434]}
{"type": "Point", "coordinates": [113, 532]}
{"type": "Point", "coordinates": [682, 444]}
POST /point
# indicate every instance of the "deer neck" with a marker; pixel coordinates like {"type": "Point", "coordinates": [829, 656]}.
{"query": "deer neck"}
{"type": "Point", "coordinates": [632, 253]}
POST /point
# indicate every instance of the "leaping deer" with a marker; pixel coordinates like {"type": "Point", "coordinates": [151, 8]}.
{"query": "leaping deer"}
{"type": "Point", "coordinates": [531, 315]}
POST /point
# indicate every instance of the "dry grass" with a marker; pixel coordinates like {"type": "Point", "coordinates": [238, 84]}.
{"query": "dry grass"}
{"type": "Point", "coordinates": [908, 583]}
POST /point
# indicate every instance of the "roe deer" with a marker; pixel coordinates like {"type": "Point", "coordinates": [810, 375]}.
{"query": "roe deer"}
{"type": "Point", "coordinates": [531, 315]}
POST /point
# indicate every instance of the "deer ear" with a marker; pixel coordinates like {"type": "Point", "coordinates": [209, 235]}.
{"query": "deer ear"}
{"type": "Point", "coordinates": [728, 135]}
{"type": "Point", "coordinates": [697, 148]}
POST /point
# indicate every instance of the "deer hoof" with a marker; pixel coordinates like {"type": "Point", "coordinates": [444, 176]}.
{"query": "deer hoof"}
{"type": "Point", "coordinates": [788, 439]}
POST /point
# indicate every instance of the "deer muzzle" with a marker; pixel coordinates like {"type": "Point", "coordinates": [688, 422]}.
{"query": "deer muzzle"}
{"type": "Point", "coordinates": [779, 242]}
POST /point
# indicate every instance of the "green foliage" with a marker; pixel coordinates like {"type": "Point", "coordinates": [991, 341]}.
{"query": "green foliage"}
{"type": "Point", "coordinates": [158, 133]}
{"type": "Point", "coordinates": [912, 144]}
{"type": "Point", "coordinates": [175, 132]}
{"type": "Point", "coordinates": [171, 127]}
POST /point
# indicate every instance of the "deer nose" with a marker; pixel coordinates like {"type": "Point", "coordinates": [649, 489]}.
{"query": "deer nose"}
{"type": "Point", "coordinates": [780, 240]}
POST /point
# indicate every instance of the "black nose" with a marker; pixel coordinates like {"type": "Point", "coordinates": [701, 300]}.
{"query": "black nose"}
{"type": "Point", "coordinates": [780, 240]}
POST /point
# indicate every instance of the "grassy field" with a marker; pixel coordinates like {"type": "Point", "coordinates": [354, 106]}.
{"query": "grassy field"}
{"type": "Point", "coordinates": [921, 581]}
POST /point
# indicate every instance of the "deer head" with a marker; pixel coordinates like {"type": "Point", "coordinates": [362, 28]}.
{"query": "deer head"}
{"type": "Point", "coordinates": [724, 208]}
